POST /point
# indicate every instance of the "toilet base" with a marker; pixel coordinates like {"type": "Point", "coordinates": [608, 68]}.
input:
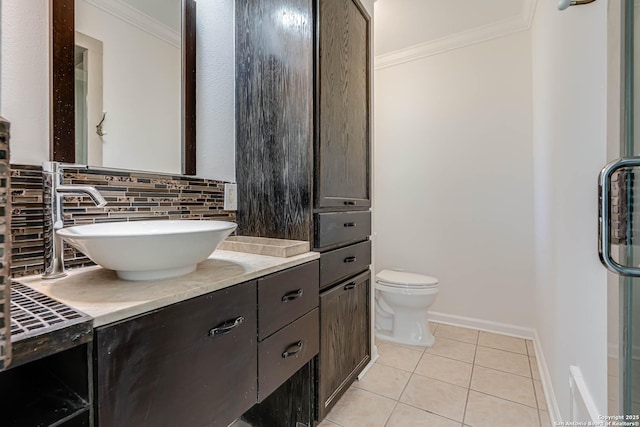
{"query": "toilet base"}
{"type": "Point", "coordinates": [403, 318]}
{"type": "Point", "coordinates": [410, 327]}
{"type": "Point", "coordinates": [427, 340]}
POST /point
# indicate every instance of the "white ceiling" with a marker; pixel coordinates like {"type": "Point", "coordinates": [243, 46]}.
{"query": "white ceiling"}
{"type": "Point", "coordinates": [400, 24]}
{"type": "Point", "coordinates": [168, 12]}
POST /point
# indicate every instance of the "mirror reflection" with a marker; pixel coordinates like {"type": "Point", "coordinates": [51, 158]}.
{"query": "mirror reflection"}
{"type": "Point", "coordinates": [128, 84]}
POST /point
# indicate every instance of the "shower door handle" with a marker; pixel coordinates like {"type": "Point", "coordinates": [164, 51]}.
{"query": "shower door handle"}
{"type": "Point", "coordinates": [604, 216]}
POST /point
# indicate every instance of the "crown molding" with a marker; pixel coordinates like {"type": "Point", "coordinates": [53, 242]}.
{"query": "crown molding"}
{"type": "Point", "coordinates": [143, 22]}
{"type": "Point", "coordinates": [521, 22]}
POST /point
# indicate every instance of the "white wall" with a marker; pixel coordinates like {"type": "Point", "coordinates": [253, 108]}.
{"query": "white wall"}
{"type": "Point", "coordinates": [142, 93]}
{"type": "Point", "coordinates": [454, 178]}
{"type": "Point", "coordinates": [569, 86]}
{"type": "Point", "coordinates": [24, 85]}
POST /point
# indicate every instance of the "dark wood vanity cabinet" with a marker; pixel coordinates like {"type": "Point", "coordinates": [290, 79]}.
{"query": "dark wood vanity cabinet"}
{"type": "Point", "coordinates": [342, 159]}
{"type": "Point", "coordinates": [342, 221]}
{"type": "Point", "coordinates": [303, 158]}
{"type": "Point", "coordinates": [208, 360]}
{"type": "Point", "coordinates": [190, 364]}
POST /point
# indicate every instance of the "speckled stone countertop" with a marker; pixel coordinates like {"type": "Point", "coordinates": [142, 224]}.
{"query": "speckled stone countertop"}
{"type": "Point", "coordinates": [100, 294]}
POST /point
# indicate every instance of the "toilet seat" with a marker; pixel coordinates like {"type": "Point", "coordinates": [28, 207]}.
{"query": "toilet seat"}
{"type": "Point", "coordinates": [404, 280]}
{"type": "Point", "coordinates": [405, 290]}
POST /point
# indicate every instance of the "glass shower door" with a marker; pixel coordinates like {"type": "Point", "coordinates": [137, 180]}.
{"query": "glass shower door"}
{"type": "Point", "coordinates": [619, 245]}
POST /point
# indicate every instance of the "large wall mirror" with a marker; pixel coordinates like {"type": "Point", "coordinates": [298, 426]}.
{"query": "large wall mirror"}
{"type": "Point", "coordinates": [123, 84]}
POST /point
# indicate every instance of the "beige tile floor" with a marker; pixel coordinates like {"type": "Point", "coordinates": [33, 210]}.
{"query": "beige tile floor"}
{"type": "Point", "coordinates": [468, 378]}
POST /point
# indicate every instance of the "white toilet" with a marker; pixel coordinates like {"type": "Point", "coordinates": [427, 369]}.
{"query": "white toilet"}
{"type": "Point", "coordinates": [402, 303]}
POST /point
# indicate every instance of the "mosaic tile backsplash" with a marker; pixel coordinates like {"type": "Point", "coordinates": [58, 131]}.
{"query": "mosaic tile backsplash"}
{"type": "Point", "coordinates": [131, 196]}
{"type": "Point", "coordinates": [5, 245]}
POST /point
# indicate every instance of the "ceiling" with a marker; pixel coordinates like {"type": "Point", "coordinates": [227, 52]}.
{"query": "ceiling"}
{"type": "Point", "coordinates": [168, 12]}
{"type": "Point", "coordinates": [400, 24]}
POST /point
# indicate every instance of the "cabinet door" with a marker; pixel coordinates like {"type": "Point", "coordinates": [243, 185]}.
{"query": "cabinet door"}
{"type": "Point", "coordinates": [169, 368]}
{"type": "Point", "coordinates": [342, 140]}
{"type": "Point", "coordinates": [274, 117]}
{"type": "Point", "coordinates": [344, 338]}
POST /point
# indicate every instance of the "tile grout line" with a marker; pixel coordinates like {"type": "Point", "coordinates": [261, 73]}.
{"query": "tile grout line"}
{"type": "Point", "coordinates": [391, 413]}
{"type": "Point", "coordinates": [406, 385]}
{"type": "Point", "coordinates": [483, 366]}
{"type": "Point", "coordinates": [395, 367]}
{"type": "Point", "coordinates": [326, 418]}
{"type": "Point", "coordinates": [398, 401]}
{"type": "Point", "coordinates": [506, 372]}
{"type": "Point", "coordinates": [539, 418]}
{"type": "Point", "coordinates": [507, 400]}
{"type": "Point", "coordinates": [428, 412]}
{"type": "Point", "coordinates": [409, 380]}
{"type": "Point", "coordinates": [448, 358]}
{"type": "Point", "coordinates": [473, 365]}
{"type": "Point", "coordinates": [526, 348]}
{"type": "Point", "coordinates": [456, 339]}
{"type": "Point", "coordinates": [403, 346]}
{"type": "Point", "coordinates": [502, 349]}
{"type": "Point", "coordinates": [378, 394]}
{"type": "Point", "coordinates": [535, 392]}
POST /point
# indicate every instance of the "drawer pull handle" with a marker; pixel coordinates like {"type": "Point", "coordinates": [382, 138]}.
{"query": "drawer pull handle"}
{"type": "Point", "coordinates": [293, 349]}
{"type": "Point", "coordinates": [349, 203]}
{"type": "Point", "coordinates": [350, 259]}
{"type": "Point", "coordinates": [292, 295]}
{"type": "Point", "coordinates": [350, 286]}
{"type": "Point", "coordinates": [226, 327]}
{"type": "Point", "coordinates": [350, 224]}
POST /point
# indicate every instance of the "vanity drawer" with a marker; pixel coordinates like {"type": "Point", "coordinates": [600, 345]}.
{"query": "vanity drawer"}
{"type": "Point", "coordinates": [341, 227]}
{"type": "Point", "coordinates": [285, 352]}
{"type": "Point", "coordinates": [285, 296]}
{"type": "Point", "coordinates": [167, 367]}
{"type": "Point", "coordinates": [344, 262]}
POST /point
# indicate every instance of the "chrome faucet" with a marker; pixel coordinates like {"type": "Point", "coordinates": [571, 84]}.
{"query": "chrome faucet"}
{"type": "Point", "coordinates": [54, 192]}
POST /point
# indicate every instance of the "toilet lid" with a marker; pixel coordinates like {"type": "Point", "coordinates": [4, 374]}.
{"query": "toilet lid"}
{"type": "Point", "coordinates": [406, 280]}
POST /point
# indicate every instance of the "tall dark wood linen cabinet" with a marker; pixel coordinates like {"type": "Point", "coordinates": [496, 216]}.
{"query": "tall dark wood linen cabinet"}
{"type": "Point", "coordinates": [303, 158]}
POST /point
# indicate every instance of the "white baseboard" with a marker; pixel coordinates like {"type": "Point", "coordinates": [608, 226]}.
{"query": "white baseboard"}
{"type": "Point", "coordinates": [582, 403]}
{"type": "Point", "coordinates": [483, 325]}
{"type": "Point", "coordinates": [374, 357]}
{"type": "Point", "coordinates": [514, 331]}
{"type": "Point", "coordinates": [547, 385]}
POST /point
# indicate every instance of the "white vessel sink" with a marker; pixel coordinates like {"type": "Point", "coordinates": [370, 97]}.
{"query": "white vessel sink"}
{"type": "Point", "coordinates": [148, 250]}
